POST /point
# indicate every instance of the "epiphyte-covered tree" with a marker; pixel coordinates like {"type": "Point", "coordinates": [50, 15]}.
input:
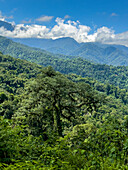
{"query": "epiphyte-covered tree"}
{"type": "Point", "coordinates": [51, 99]}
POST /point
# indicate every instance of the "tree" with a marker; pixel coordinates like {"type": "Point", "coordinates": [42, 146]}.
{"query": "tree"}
{"type": "Point", "coordinates": [52, 98]}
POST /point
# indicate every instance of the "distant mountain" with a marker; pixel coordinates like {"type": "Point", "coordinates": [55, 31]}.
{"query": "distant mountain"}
{"type": "Point", "coordinates": [21, 51]}
{"type": "Point", "coordinates": [93, 51]}
{"type": "Point", "coordinates": [103, 54]}
{"type": "Point", "coordinates": [59, 46]}
{"type": "Point", "coordinates": [103, 73]}
{"type": "Point", "coordinates": [6, 25]}
{"type": "Point", "coordinates": [18, 50]}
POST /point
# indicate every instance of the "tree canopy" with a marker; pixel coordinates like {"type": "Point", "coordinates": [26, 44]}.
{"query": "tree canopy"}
{"type": "Point", "coordinates": [53, 121]}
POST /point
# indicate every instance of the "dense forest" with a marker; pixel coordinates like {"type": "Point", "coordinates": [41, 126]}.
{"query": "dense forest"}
{"type": "Point", "coordinates": [67, 64]}
{"type": "Point", "coordinates": [50, 120]}
{"type": "Point", "coordinates": [93, 51]}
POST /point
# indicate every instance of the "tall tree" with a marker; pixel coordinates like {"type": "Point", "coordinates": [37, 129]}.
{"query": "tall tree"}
{"type": "Point", "coordinates": [52, 98]}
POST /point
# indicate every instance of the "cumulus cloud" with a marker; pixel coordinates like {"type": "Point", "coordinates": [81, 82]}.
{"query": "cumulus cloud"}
{"type": "Point", "coordinates": [62, 28]}
{"type": "Point", "coordinates": [103, 34]}
{"type": "Point", "coordinates": [69, 29]}
{"type": "Point", "coordinates": [121, 39]}
{"type": "Point", "coordinates": [28, 31]}
{"type": "Point", "coordinates": [44, 18]}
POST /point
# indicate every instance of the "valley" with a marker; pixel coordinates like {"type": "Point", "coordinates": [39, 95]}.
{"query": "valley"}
{"type": "Point", "coordinates": [51, 120]}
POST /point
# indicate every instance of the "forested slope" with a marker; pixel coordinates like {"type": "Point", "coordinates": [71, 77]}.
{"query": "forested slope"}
{"type": "Point", "coordinates": [65, 64]}
{"type": "Point", "coordinates": [13, 75]}
{"type": "Point", "coordinates": [93, 51]}
{"type": "Point", "coordinates": [103, 73]}
{"type": "Point", "coordinates": [55, 121]}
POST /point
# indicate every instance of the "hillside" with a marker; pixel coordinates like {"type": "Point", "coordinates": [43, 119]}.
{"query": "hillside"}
{"type": "Point", "coordinates": [53, 121]}
{"type": "Point", "coordinates": [95, 52]}
{"type": "Point", "coordinates": [14, 73]}
{"type": "Point", "coordinates": [59, 46]}
{"type": "Point", "coordinates": [103, 73]}
{"type": "Point", "coordinates": [63, 85]}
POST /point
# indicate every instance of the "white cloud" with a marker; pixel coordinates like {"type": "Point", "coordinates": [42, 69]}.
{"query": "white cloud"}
{"type": "Point", "coordinates": [73, 29]}
{"type": "Point", "coordinates": [114, 14]}
{"type": "Point", "coordinates": [121, 39]}
{"type": "Point", "coordinates": [44, 18]}
{"type": "Point", "coordinates": [69, 29]}
{"type": "Point", "coordinates": [10, 17]}
{"type": "Point", "coordinates": [22, 31]}
{"type": "Point", "coordinates": [102, 34]}
{"type": "Point", "coordinates": [27, 21]}
{"type": "Point", "coordinates": [2, 18]}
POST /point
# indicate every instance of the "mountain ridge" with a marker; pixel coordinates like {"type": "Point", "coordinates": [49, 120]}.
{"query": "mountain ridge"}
{"type": "Point", "coordinates": [93, 51]}
{"type": "Point", "coordinates": [6, 25]}
{"type": "Point", "coordinates": [66, 64]}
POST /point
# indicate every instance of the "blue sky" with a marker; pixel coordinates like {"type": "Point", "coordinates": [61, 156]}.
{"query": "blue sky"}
{"type": "Point", "coordinates": [109, 13]}
{"type": "Point", "coordinates": [108, 16]}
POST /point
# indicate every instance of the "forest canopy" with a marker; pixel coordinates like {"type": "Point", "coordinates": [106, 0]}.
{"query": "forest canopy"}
{"type": "Point", "coordinates": [49, 120]}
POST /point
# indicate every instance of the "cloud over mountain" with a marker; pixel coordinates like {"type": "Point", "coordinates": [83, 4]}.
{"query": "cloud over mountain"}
{"type": "Point", "coordinates": [62, 28]}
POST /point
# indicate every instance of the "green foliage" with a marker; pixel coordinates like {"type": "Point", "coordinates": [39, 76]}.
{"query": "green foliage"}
{"type": "Point", "coordinates": [93, 51]}
{"type": "Point", "coordinates": [60, 121]}
{"type": "Point", "coordinates": [90, 147]}
{"type": "Point", "coordinates": [16, 145]}
{"type": "Point", "coordinates": [13, 75]}
{"type": "Point", "coordinates": [11, 141]}
{"type": "Point", "coordinates": [117, 76]}
{"type": "Point", "coordinates": [52, 97]}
